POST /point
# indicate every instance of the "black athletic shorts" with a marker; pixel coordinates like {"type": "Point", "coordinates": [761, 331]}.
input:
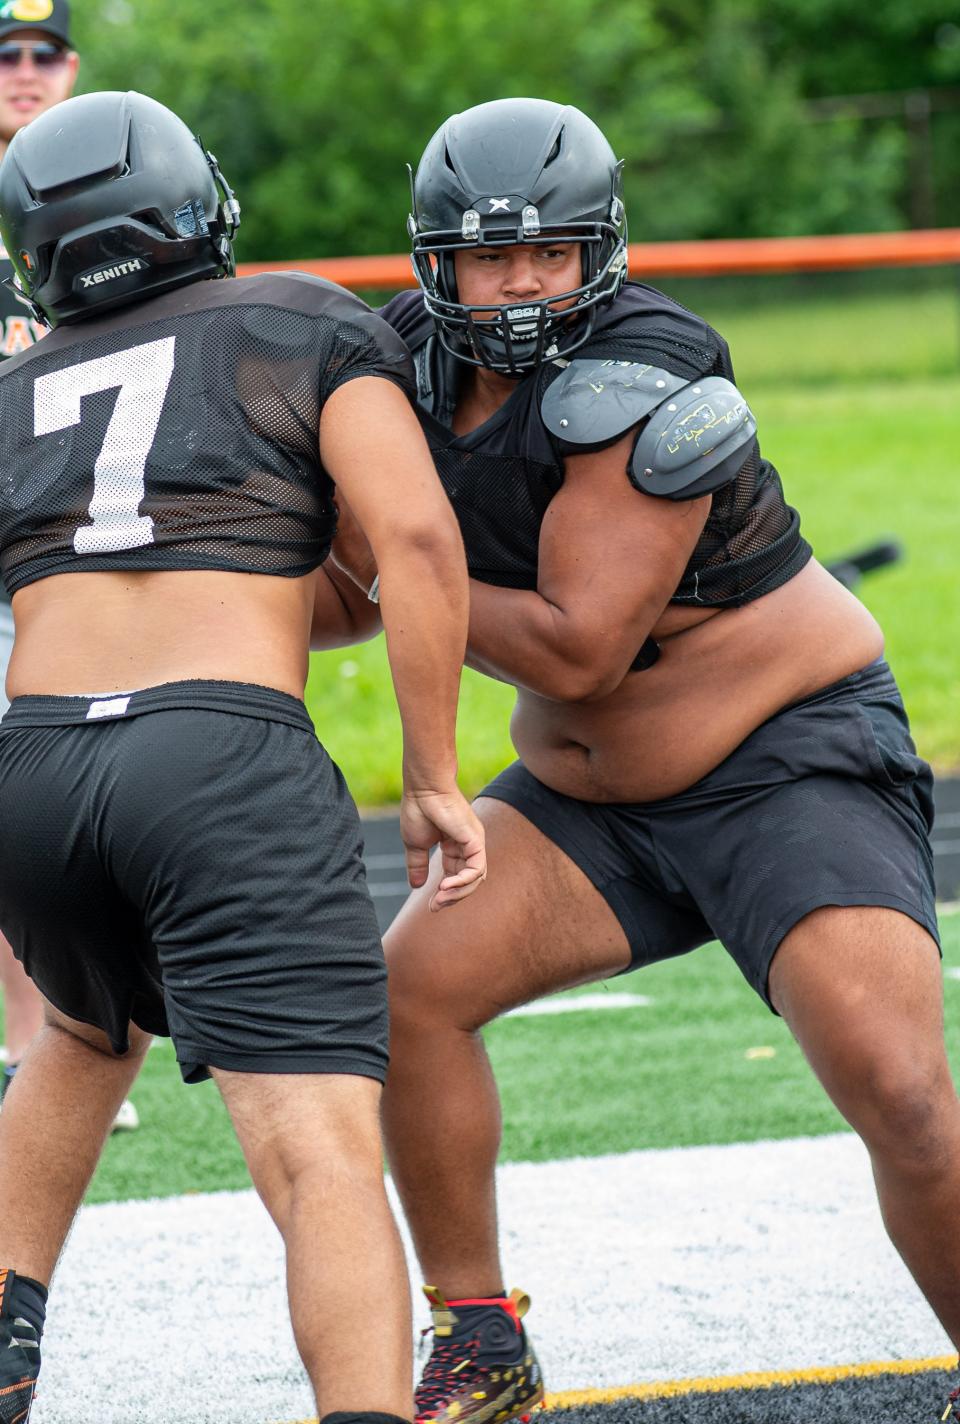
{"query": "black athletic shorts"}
{"type": "Point", "coordinates": [827, 803]}
{"type": "Point", "coordinates": [188, 857]}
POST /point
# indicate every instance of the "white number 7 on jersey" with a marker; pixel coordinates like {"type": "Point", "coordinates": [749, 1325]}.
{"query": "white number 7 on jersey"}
{"type": "Point", "coordinates": [143, 374]}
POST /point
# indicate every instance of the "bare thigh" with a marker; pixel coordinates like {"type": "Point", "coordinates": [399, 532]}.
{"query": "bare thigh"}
{"type": "Point", "coordinates": [538, 925]}
{"type": "Point", "coordinates": [138, 1038]}
{"type": "Point", "coordinates": [861, 989]}
{"type": "Point", "coordinates": [296, 1127]}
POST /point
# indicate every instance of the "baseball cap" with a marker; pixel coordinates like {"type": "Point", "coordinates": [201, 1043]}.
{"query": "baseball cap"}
{"type": "Point", "coordinates": [50, 17]}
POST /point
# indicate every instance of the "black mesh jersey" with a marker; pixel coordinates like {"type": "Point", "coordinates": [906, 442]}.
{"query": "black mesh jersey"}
{"type": "Point", "coordinates": [501, 477]}
{"type": "Point", "coordinates": [181, 433]}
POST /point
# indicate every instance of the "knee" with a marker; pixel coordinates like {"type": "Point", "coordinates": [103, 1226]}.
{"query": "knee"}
{"type": "Point", "coordinates": [432, 993]}
{"type": "Point", "coordinates": [907, 1113]}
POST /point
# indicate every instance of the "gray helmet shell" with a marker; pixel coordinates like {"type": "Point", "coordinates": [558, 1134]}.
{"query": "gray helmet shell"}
{"type": "Point", "coordinates": [517, 171]}
{"type": "Point", "coordinates": [109, 198]}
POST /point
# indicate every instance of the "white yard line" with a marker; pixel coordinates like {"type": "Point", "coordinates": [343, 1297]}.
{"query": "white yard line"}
{"type": "Point", "coordinates": [580, 1003]}
{"type": "Point", "coordinates": [653, 1265]}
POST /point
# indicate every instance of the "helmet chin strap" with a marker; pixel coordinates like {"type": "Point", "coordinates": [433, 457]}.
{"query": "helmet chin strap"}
{"type": "Point", "coordinates": [228, 215]}
{"type": "Point", "coordinates": [13, 285]}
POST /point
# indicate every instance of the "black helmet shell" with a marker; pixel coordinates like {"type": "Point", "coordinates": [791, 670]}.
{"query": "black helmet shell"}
{"type": "Point", "coordinates": [517, 171]}
{"type": "Point", "coordinates": [531, 150]}
{"type": "Point", "coordinates": [109, 198]}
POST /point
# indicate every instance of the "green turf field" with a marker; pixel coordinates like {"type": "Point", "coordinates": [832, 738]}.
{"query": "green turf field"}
{"type": "Point", "coordinates": [866, 441]}
{"type": "Point", "coordinates": [680, 1071]}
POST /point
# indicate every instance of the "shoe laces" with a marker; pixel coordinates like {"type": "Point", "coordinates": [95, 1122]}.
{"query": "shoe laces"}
{"type": "Point", "coordinates": [451, 1363]}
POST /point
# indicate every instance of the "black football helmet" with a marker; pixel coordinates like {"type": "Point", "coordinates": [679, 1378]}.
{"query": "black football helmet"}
{"type": "Point", "coordinates": [517, 171]}
{"type": "Point", "coordinates": [107, 199]}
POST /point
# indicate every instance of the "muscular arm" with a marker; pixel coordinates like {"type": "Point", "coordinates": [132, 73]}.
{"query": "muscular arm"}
{"type": "Point", "coordinates": [372, 446]}
{"type": "Point", "coordinates": [609, 560]}
{"type": "Point", "coordinates": [342, 612]}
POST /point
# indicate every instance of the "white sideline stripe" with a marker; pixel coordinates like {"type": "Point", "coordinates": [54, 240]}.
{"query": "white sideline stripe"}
{"type": "Point", "coordinates": [649, 1266]}
{"type": "Point", "coordinates": [384, 862]}
{"type": "Point", "coordinates": [381, 889]}
{"type": "Point", "coordinates": [580, 1003]}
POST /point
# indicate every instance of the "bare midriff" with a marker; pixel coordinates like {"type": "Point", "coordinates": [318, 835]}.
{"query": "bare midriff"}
{"type": "Point", "coordinates": [721, 673]}
{"type": "Point", "coordinates": [117, 632]}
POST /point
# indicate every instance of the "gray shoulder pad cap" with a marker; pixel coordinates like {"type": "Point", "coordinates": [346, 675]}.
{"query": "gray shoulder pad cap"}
{"type": "Point", "coordinates": [697, 441]}
{"type": "Point", "coordinates": [595, 401]}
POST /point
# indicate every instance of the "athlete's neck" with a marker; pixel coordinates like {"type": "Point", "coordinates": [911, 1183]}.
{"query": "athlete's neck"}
{"type": "Point", "coordinates": [482, 393]}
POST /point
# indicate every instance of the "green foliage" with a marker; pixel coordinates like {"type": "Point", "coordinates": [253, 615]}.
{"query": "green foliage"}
{"type": "Point", "coordinates": [315, 110]}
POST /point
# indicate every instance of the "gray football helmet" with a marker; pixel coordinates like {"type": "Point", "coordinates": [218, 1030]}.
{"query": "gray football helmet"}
{"type": "Point", "coordinates": [109, 198]}
{"type": "Point", "coordinates": [517, 171]}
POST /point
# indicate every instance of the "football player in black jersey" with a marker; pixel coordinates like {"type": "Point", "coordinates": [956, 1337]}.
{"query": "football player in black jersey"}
{"type": "Point", "coordinates": [179, 853]}
{"type": "Point", "coordinates": [38, 68]}
{"type": "Point", "coordinates": [710, 743]}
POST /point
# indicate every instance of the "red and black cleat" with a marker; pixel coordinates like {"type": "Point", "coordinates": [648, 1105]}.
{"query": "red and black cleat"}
{"type": "Point", "coordinates": [482, 1368]}
{"type": "Point", "coordinates": [952, 1410]}
{"type": "Point", "coordinates": [19, 1360]}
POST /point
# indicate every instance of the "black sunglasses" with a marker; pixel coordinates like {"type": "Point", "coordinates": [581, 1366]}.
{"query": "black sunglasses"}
{"type": "Point", "coordinates": [45, 56]}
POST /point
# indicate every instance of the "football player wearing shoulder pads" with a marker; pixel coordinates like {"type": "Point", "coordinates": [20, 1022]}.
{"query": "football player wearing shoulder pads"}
{"type": "Point", "coordinates": [696, 698]}
{"type": "Point", "coordinates": [171, 453]}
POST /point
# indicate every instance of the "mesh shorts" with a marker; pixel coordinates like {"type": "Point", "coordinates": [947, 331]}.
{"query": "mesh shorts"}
{"type": "Point", "coordinates": [189, 858]}
{"type": "Point", "coordinates": [827, 803]}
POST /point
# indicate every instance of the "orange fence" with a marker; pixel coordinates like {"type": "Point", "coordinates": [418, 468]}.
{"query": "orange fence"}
{"type": "Point", "coordinates": [688, 259]}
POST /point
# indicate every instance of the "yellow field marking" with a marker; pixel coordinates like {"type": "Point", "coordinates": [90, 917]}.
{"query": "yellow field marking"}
{"type": "Point", "coordinates": [821, 1374]}
{"type": "Point", "coordinates": [770, 1379]}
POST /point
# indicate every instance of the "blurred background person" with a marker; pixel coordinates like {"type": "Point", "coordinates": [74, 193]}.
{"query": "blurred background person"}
{"type": "Point", "coordinates": [38, 68]}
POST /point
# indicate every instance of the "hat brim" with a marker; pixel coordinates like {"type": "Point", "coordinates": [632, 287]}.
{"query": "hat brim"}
{"type": "Point", "coordinates": [42, 27]}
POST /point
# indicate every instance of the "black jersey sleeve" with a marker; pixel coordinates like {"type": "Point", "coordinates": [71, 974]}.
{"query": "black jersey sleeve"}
{"type": "Point", "coordinates": [366, 346]}
{"type": "Point", "coordinates": [363, 345]}
{"type": "Point", "coordinates": [409, 317]}
{"type": "Point", "coordinates": [351, 339]}
{"type": "Point", "coordinates": [665, 335]}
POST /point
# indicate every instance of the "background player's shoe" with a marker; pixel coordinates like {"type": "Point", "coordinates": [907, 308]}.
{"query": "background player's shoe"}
{"type": "Point", "coordinates": [952, 1410]}
{"type": "Point", "coordinates": [19, 1360]}
{"type": "Point", "coordinates": [482, 1366]}
{"type": "Point", "coordinates": [127, 1119]}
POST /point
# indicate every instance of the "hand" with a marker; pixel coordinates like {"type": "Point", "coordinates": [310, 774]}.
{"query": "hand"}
{"type": "Point", "coordinates": [444, 818]}
{"type": "Point", "coordinates": [351, 551]}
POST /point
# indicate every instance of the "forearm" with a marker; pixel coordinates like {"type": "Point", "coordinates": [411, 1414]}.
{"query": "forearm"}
{"type": "Point", "coordinates": [520, 637]}
{"type": "Point", "coordinates": [342, 613]}
{"type": "Point", "coordinates": [423, 602]}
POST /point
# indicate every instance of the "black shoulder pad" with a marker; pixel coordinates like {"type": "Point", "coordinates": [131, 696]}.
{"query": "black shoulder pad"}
{"type": "Point", "coordinates": [695, 442]}
{"type": "Point", "coordinates": [594, 401]}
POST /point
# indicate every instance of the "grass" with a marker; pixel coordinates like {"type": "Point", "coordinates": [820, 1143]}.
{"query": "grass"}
{"type": "Point", "coordinates": [671, 1074]}
{"type": "Point", "coordinates": [860, 461]}
{"type": "Point", "coordinates": [824, 328]}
